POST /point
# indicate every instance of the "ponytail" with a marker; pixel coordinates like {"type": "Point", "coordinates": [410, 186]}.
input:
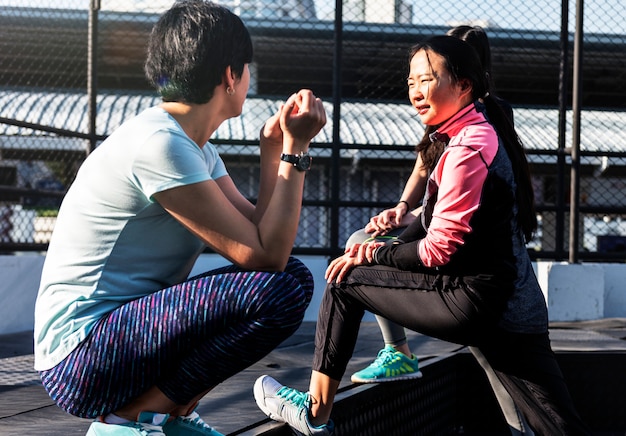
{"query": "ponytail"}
{"type": "Point", "coordinates": [521, 171]}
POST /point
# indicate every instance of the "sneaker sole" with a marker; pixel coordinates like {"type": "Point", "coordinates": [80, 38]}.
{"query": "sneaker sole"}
{"type": "Point", "coordinates": [410, 376]}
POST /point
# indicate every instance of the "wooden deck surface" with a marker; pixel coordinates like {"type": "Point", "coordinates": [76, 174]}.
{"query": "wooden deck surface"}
{"type": "Point", "coordinates": [26, 409]}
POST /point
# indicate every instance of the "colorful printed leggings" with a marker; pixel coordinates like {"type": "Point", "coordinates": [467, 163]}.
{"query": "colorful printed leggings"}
{"type": "Point", "coordinates": [185, 339]}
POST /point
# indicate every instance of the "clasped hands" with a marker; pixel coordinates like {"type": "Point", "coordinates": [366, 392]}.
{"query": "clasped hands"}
{"type": "Point", "coordinates": [298, 120]}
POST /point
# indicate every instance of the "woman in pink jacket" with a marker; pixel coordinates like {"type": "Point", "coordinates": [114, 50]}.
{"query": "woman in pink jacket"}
{"type": "Point", "coordinates": [460, 272]}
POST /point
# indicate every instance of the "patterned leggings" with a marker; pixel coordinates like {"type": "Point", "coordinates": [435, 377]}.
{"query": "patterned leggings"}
{"type": "Point", "coordinates": [185, 339]}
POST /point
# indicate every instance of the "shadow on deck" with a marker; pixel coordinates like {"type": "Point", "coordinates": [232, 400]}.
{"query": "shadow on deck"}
{"type": "Point", "coordinates": [453, 397]}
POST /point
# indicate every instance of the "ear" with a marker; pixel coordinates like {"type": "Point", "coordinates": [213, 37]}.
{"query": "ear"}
{"type": "Point", "coordinates": [229, 77]}
{"type": "Point", "coordinates": [465, 87]}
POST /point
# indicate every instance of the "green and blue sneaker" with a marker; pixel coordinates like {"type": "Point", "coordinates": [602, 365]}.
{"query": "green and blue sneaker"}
{"type": "Point", "coordinates": [147, 424]}
{"type": "Point", "coordinates": [390, 365]}
{"type": "Point", "coordinates": [189, 425]}
{"type": "Point", "coordinates": [288, 405]}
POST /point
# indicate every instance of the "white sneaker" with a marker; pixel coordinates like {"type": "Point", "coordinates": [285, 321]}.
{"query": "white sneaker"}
{"type": "Point", "coordinates": [289, 405]}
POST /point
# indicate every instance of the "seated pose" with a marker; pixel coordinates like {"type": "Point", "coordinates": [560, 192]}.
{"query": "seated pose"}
{"type": "Point", "coordinates": [121, 333]}
{"type": "Point", "coordinates": [460, 272]}
{"type": "Point", "coordinates": [395, 361]}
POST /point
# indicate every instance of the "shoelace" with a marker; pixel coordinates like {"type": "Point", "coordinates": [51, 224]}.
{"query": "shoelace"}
{"type": "Point", "coordinates": [195, 420]}
{"type": "Point", "coordinates": [300, 399]}
{"type": "Point", "coordinates": [154, 427]}
{"type": "Point", "coordinates": [149, 429]}
{"type": "Point", "coordinates": [384, 356]}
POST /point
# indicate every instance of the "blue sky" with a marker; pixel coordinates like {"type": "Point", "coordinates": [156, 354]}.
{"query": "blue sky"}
{"type": "Point", "coordinates": [601, 16]}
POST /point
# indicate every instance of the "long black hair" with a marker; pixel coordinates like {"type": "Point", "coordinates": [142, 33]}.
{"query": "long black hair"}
{"type": "Point", "coordinates": [463, 63]}
{"type": "Point", "coordinates": [478, 39]}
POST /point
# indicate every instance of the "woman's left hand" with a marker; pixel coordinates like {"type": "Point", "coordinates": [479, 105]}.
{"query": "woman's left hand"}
{"type": "Point", "coordinates": [358, 254]}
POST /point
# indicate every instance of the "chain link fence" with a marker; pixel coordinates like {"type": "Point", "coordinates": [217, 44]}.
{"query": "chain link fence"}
{"type": "Point", "coordinates": [71, 72]}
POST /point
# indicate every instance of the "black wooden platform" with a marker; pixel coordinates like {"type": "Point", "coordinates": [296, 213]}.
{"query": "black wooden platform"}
{"type": "Point", "coordinates": [453, 397]}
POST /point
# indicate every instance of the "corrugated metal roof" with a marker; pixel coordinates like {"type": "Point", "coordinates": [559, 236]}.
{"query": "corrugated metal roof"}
{"type": "Point", "coordinates": [362, 123]}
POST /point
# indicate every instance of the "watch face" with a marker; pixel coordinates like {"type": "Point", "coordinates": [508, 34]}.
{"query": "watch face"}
{"type": "Point", "coordinates": [304, 163]}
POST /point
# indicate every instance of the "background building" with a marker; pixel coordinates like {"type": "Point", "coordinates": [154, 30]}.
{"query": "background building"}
{"type": "Point", "coordinates": [52, 112]}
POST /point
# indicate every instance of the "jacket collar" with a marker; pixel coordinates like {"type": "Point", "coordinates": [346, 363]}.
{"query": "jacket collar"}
{"type": "Point", "coordinates": [470, 114]}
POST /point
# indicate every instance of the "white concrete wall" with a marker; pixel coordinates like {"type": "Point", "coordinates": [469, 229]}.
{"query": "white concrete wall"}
{"type": "Point", "coordinates": [19, 280]}
{"type": "Point", "coordinates": [573, 292]}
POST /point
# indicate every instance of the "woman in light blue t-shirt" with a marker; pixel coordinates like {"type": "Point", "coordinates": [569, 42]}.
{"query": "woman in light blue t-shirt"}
{"type": "Point", "coordinates": [121, 333]}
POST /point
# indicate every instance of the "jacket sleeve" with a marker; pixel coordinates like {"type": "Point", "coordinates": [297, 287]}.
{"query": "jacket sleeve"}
{"type": "Point", "coordinates": [399, 255]}
{"type": "Point", "coordinates": [460, 175]}
{"type": "Point", "coordinates": [414, 231]}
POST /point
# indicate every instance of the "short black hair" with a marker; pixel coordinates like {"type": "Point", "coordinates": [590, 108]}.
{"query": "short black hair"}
{"type": "Point", "coordinates": [190, 47]}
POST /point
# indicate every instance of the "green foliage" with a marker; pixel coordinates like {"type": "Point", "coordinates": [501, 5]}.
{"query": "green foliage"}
{"type": "Point", "coordinates": [45, 212]}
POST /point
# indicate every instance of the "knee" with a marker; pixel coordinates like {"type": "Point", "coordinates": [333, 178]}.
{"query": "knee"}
{"type": "Point", "coordinates": [285, 300]}
{"type": "Point", "coordinates": [357, 237]}
{"type": "Point", "coordinates": [299, 272]}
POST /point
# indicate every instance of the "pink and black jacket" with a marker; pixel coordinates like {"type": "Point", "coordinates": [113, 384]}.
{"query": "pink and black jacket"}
{"type": "Point", "coordinates": [468, 227]}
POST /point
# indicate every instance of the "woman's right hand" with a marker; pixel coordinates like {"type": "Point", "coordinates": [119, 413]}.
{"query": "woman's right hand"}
{"type": "Point", "coordinates": [301, 119]}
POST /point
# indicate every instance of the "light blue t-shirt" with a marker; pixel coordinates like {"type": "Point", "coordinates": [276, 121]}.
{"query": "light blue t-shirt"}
{"type": "Point", "coordinates": [112, 242]}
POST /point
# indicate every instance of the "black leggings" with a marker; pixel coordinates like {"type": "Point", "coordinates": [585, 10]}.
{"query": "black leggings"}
{"type": "Point", "coordinates": [460, 310]}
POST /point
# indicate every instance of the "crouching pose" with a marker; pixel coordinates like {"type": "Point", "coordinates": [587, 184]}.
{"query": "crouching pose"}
{"type": "Point", "coordinates": [121, 333]}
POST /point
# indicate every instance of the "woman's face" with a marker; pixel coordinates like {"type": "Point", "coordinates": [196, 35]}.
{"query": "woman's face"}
{"type": "Point", "coordinates": [432, 91]}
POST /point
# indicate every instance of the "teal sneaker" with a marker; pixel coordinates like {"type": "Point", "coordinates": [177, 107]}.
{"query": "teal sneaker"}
{"type": "Point", "coordinates": [147, 424]}
{"type": "Point", "coordinates": [390, 365]}
{"type": "Point", "coordinates": [189, 425]}
{"type": "Point", "coordinates": [288, 405]}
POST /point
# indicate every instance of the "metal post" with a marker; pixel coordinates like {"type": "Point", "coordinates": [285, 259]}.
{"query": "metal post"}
{"type": "Point", "coordinates": [576, 105]}
{"type": "Point", "coordinates": [92, 71]}
{"type": "Point", "coordinates": [336, 155]}
{"type": "Point", "coordinates": [560, 164]}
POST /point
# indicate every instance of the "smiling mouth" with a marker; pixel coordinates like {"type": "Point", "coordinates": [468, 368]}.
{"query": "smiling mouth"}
{"type": "Point", "coordinates": [422, 109]}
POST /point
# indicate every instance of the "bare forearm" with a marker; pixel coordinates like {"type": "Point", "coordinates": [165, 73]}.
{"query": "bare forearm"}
{"type": "Point", "coordinates": [415, 186]}
{"type": "Point", "coordinates": [279, 224]}
{"type": "Point", "coordinates": [270, 162]}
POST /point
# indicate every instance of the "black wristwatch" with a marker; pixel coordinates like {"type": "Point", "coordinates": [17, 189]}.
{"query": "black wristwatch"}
{"type": "Point", "coordinates": [301, 161]}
